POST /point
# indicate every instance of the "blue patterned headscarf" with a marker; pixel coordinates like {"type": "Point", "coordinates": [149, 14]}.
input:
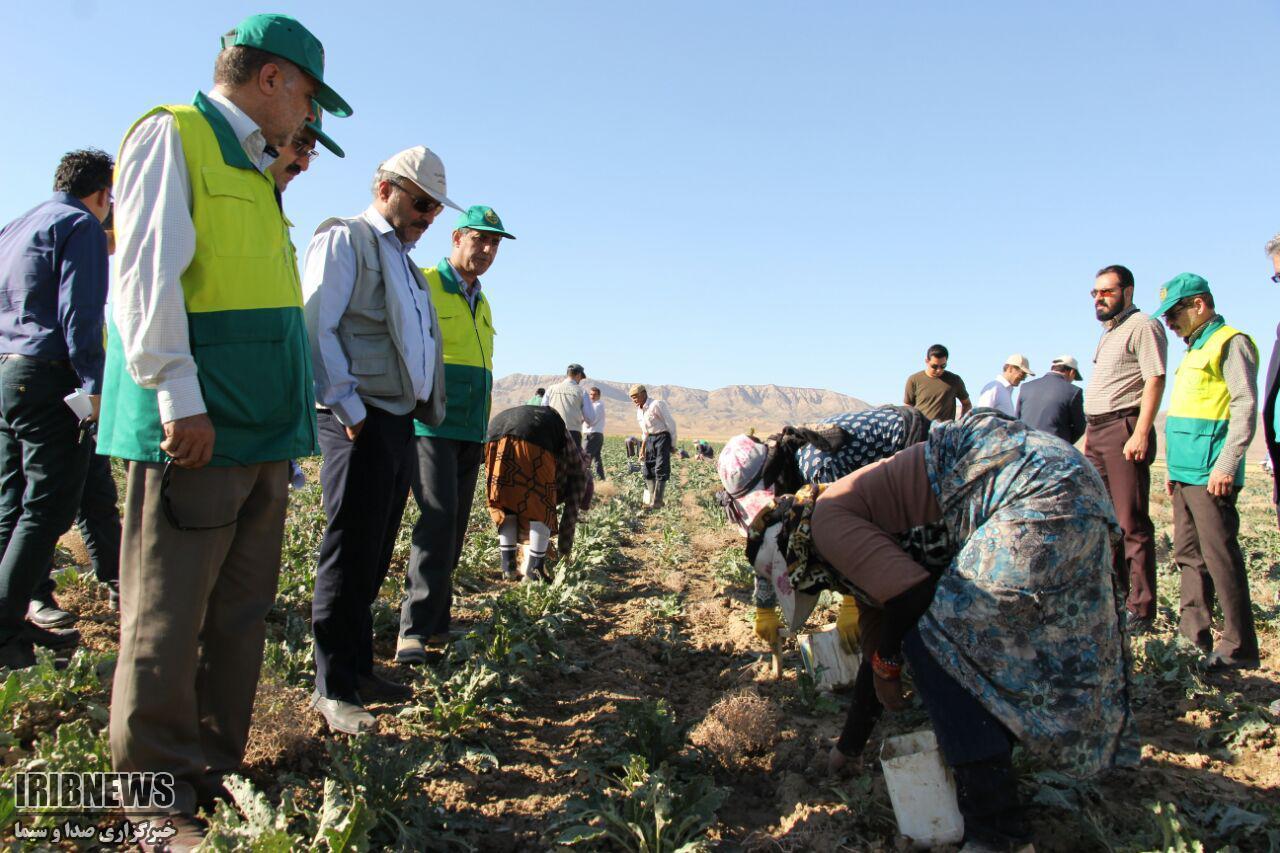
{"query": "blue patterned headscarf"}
{"type": "Point", "coordinates": [869, 436]}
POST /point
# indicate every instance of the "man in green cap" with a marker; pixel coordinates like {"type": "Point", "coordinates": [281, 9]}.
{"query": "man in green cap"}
{"type": "Point", "coordinates": [296, 157]}
{"type": "Point", "coordinates": [1209, 427]}
{"type": "Point", "coordinates": [449, 453]}
{"type": "Point", "coordinates": [207, 395]}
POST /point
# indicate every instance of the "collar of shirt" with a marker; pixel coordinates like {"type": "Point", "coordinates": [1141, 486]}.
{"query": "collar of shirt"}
{"type": "Point", "coordinates": [245, 128]}
{"type": "Point", "coordinates": [383, 227]}
{"type": "Point", "coordinates": [1196, 339]}
{"type": "Point", "coordinates": [71, 201]}
{"type": "Point", "coordinates": [470, 291]}
{"type": "Point", "coordinates": [1005, 382]}
{"type": "Point", "coordinates": [1120, 318]}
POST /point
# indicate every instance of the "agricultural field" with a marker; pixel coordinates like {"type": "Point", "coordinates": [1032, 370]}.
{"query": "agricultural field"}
{"type": "Point", "coordinates": [628, 706]}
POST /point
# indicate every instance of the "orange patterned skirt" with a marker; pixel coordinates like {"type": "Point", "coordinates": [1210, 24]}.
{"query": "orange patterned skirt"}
{"type": "Point", "coordinates": [521, 482]}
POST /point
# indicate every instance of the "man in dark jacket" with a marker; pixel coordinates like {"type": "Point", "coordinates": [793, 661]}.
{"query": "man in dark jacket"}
{"type": "Point", "coordinates": [1052, 403]}
{"type": "Point", "coordinates": [1273, 384]}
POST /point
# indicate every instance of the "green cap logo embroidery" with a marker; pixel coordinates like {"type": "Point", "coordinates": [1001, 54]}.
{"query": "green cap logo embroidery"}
{"type": "Point", "coordinates": [491, 217]}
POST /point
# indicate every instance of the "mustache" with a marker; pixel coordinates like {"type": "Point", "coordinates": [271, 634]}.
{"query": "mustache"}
{"type": "Point", "coordinates": [293, 169]}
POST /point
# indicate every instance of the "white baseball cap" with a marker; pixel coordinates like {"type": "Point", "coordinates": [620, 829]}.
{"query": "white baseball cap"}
{"type": "Point", "coordinates": [1068, 361]}
{"type": "Point", "coordinates": [1020, 361]}
{"type": "Point", "coordinates": [420, 165]}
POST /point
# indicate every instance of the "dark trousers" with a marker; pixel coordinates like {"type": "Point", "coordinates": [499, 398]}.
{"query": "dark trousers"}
{"type": "Point", "coordinates": [1206, 548]}
{"type": "Point", "coordinates": [657, 457]}
{"type": "Point", "coordinates": [365, 485]}
{"type": "Point", "coordinates": [444, 485]}
{"type": "Point", "coordinates": [576, 435]}
{"type": "Point", "coordinates": [42, 466]}
{"type": "Point", "coordinates": [98, 521]}
{"type": "Point", "coordinates": [975, 744]}
{"type": "Point", "coordinates": [1129, 484]}
{"type": "Point", "coordinates": [595, 444]}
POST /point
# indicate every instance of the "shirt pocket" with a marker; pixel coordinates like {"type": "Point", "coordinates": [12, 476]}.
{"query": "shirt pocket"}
{"type": "Point", "coordinates": [232, 212]}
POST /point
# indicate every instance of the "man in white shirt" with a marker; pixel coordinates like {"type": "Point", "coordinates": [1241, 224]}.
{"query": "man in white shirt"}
{"type": "Point", "coordinates": [207, 394]}
{"type": "Point", "coordinates": [658, 433]}
{"type": "Point", "coordinates": [377, 355]}
{"type": "Point", "coordinates": [569, 399]}
{"type": "Point", "coordinates": [998, 394]}
{"type": "Point", "coordinates": [593, 428]}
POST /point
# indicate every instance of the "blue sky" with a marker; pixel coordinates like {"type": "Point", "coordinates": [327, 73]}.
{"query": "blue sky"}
{"type": "Point", "coordinates": [720, 193]}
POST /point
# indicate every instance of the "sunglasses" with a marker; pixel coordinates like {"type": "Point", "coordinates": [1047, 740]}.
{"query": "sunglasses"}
{"type": "Point", "coordinates": [420, 204]}
{"type": "Point", "coordinates": [1276, 278]}
{"type": "Point", "coordinates": [302, 149]}
{"type": "Point", "coordinates": [166, 504]}
{"type": "Point", "coordinates": [1109, 294]}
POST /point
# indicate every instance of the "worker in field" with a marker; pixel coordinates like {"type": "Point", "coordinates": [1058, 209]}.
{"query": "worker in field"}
{"type": "Point", "coordinates": [999, 392]}
{"type": "Point", "coordinates": [533, 467]}
{"type": "Point", "coordinates": [447, 454]}
{"type": "Point", "coordinates": [658, 437]}
{"type": "Point", "coordinates": [208, 395]}
{"type": "Point", "coordinates": [1053, 403]}
{"type": "Point", "coordinates": [1207, 432]}
{"type": "Point", "coordinates": [376, 344]}
{"type": "Point", "coordinates": [593, 429]}
{"type": "Point", "coordinates": [570, 400]}
{"type": "Point", "coordinates": [1270, 411]}
{"type": "Point", "coordinates": [925, 541]}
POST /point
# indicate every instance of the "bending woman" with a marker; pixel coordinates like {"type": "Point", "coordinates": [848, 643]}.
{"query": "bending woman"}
{"type": "Point", "coordinates": [533, 465]}
{"type": "Point", "coordinates": [1019, 637]}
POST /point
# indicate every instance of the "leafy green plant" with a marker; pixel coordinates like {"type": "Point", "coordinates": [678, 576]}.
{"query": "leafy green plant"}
{"type": "Point", "coordinates": [457, 699]}
{"type": "Point", "coordinates": [1175, 836]}
{"type": "Point", "coordinates": [645, 812]}
{"type": "Point", "coordinates": [649, 729]}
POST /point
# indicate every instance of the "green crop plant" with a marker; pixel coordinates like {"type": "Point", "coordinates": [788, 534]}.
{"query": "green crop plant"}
{"type": "Point", "coordinates": [644, 811]}
{"type": "Point", "coordinates": [649, 729]}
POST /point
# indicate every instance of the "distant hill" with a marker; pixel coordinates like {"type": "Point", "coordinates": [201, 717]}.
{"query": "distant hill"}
{"type": "Point", "coordinates": [716, 414]}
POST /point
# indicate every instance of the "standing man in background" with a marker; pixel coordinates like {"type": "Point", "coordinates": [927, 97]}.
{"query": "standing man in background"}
{"type": "Point", "coordinates": [1208, 430]}
{"type": "Point", "coordinates": [375, 342]}
{"type": "Point", "coordinates": [658, 435]}
{"type": "Point", "coordinates": [569, 400]}
{"type": "Point", "coordinates": [1270, 412]}
{"type": "Point", "coordinates": [448, 454]}
{"type": "Point", "coordinates": [53, 286]}
{"type": "Point", "coordinates": [208, 395]}
{"type": "Point", "coordinates": [998, 394]}
{"type": "Point", "coordinates": [935, 390]}
{"type": "Point", "coordinates": [593, 428]}
{"type": "Point", "coordinates": [1052, 403]}
{"type": "Point", "coordinates": [1120, 405]}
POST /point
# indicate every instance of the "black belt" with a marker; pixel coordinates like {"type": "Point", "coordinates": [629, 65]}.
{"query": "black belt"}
{"type": "Point", "coordinates": [1099, 420]}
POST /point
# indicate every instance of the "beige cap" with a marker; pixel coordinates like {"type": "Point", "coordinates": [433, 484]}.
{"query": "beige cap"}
{"type": "Point", "coordinates": [1067, 361]}
{"type": "Point", "coordinates": [420, 165]}
{"type": "Point", "coordinates": [1020, 361]}
{"type": "Point", "coordinates": [637, 389]}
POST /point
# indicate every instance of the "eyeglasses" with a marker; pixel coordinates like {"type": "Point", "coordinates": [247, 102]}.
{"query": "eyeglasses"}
{"type": "Point", "coordinates": [1107, 293]}
{"type": "Point", "coordinates": [420, 204]}
{"type": "Point", "coordinates": [1276, 278]}
{"type": "Point", "coordinates": [942, 366]}
{"type": "Point", "coordinates": [1179, 306]}
{"type": "Point", "coordinates": [166, 504]}
{"type": "Point", "coordinates": [303, 149]}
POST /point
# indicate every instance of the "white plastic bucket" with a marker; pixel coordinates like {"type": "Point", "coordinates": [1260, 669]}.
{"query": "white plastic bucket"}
{"type": "Point", "coordinates": [826, 659]}
{"type": "Point", "coordinates": [921, 790]}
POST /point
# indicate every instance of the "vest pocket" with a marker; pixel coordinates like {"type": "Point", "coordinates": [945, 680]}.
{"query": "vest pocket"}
{"type": "Point", "coordinates": [248, 366]}
{"type": "Point", "coordinates": [232, 200]}
{"type": "Point", "coordinates": [377, 372]}
{"type": "Point", "coordinates": [1194, 443]}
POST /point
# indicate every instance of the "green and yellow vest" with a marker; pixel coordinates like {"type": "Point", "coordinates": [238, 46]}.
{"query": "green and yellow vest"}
{"type": "Point", "coordinates": [1199, 409]}
{"type": "Point", "coordinates": [244, 315]}
{"type": "Point", "coordinates": [468, 358]}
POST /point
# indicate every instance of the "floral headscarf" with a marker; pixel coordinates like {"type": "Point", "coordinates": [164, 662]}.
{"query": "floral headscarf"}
{"type": "Point", "coordinates": [741, 465]}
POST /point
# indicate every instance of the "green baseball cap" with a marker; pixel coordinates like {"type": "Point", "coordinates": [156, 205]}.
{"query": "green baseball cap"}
{"type": "Point", "coordinates": [286, 38]}
{"type": "Point", "coordinates": [1178, 288]}
{"type": "Point", "coordinates": [480, 218]}
{"type": "Point", "coordinates": [322, 137]}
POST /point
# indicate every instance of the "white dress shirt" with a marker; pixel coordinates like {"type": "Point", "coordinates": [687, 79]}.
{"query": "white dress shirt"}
{"type": "Point", "coordinates": [155, 242]}
{"type": "Point", "coordinates": [998, 394]}
{"type": "Point", "coordinates": [592, 416]}
{"type": "Point", "coordinates": [330, 268]}
{"type": "Point", "coordinates": [655, 417]}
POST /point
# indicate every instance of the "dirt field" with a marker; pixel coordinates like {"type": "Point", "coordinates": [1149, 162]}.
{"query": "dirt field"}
{"type": "Point", "coordinates": [525, 734]}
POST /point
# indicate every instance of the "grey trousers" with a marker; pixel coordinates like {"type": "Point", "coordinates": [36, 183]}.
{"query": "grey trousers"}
{"type": "Point", "coordinates": [193, 608]}
{"type": "Point", "coordinates": [444, 485]}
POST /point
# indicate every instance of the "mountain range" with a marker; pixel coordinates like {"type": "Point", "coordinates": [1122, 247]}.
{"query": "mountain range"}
{"type": "Point", "coordinates": [716, 414]}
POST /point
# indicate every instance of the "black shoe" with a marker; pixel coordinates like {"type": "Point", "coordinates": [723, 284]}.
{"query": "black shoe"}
{"type": "Point", "coordinates": [17, 654]}
{"type": "Point", "coordinates": [537, 569]}
{"type": "Point", "coordinates": [375, 688]}
{"type": "Point", "coordinates": [47, 614]}
{"type": "Point", "coordinates": [56, 639]}
{"type": "Point", "coordinates": [113, 595]}
{"type": "Point", "coordinates": [509, 571]}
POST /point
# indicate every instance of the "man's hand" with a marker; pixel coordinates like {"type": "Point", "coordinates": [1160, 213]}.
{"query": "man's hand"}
{"type": "Point", "coordinates": [189, 441]}
{"type": "Point", "coordinates": [353, 432]}
{"type": "Point", "coordinates": [1135, 449]}
{"type": "Point", "coordinates": [95, 400]}
{"type": "Point", "coordinates": [1221, 485]}
{"type": "Point", "coordinates": [889, 692]}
